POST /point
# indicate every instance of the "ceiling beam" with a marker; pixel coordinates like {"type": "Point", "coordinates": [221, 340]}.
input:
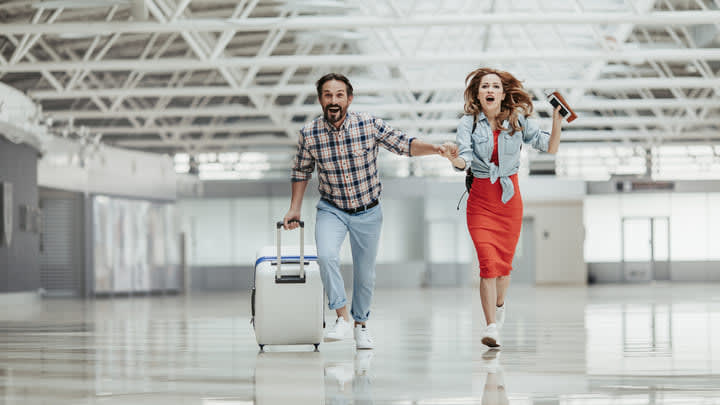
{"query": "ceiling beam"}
{"type": "Point", "coordinates": [631, 56]}
{"type": "Point", "coordinates": [408, 125]}
{"type": "Point", "coordinates": [658, 18]}
{"type": "Point", "coordinates": [367, 87]}
{"type": "Point", "coordinates": [241, 110]}
{"type": "Point", "coordinates": [572, 139]}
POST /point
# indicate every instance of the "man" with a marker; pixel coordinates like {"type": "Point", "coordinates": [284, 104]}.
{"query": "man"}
{"type": "Point", "coordinates": [344, 145]}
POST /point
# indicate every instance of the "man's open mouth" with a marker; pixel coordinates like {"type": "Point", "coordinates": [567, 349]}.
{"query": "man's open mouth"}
{"type": "Point", "coordinates": [334, 109]}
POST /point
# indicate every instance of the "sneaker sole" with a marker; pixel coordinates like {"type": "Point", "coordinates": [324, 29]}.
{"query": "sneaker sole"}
{"type": "Point", "coordinates": [490, 342]}
{"type": "Point", "coordinates": [334, 339]}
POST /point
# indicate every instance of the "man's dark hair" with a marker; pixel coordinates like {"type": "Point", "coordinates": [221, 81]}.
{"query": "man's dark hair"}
{"type": "Point", "coordinates": [334, 76]}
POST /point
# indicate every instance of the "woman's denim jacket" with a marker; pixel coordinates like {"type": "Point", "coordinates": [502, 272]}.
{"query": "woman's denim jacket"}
{"type": "Point", "coordinates": [476, 148]}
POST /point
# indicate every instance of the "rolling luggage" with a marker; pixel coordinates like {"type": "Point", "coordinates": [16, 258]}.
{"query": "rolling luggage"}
{"type": "Point", "coordinates": [287, 295]}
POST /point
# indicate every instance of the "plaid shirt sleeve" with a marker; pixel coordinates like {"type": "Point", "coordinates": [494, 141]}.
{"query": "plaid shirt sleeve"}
{"type": "Point", "coordinates": [391, 139]}
{"type": "Point", "coordinates": [304, 163]}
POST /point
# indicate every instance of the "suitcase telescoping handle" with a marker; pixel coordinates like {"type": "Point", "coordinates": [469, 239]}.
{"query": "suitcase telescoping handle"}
{"type": "Point", "coordinates": [278, 273]}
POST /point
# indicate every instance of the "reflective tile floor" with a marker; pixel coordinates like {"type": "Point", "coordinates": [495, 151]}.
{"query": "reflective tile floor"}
{"type": "Point", "coordinates": [639, 344]}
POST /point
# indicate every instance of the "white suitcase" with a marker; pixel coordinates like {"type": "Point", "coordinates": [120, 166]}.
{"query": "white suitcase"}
{"type": "Point", "coordinates": [287, 297]}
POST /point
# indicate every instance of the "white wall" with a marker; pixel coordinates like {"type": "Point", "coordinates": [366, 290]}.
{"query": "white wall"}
{"type": "Point", "coordinates": [67, 165]}
{"type": "Point", "coordinates": [230, 230]}
{"type": "Point", "coordinates": [559, 240]}
{"type": "Point", "coordinates": [694, 223]}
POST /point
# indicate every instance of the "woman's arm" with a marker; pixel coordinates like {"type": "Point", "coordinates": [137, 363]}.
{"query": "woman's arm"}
{"type": "Point", "coordinates": [554, 142]}
{"type": "Point", "coordinates": [461, 154]}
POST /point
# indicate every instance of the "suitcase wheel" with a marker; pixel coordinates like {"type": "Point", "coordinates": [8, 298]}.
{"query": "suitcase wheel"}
{"type": "Point", "coordinates": [316, 347]}
{"type": "Point", "coordinates": [261, 347]}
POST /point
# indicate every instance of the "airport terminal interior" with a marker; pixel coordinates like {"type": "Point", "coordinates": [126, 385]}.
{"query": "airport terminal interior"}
{"type": "Point", "coordinates": [146, 149]}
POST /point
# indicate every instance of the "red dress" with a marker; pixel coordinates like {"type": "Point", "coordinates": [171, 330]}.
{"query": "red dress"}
{"type": "Point", "coordinates": [494, 227]}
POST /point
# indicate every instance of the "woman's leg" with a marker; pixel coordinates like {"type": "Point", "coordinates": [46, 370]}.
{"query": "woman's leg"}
{"type": "Point", "coordinates": [501, 284]}
{"type": "Point", "coordinates": [488, 297]}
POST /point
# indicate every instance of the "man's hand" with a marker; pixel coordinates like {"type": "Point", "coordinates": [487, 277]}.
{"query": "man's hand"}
{"type": "Point", "coordinates": [291, 214]}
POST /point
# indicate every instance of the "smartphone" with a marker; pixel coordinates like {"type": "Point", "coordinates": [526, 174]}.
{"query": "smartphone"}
{"type": "Point", "coordinates": [556, 99]}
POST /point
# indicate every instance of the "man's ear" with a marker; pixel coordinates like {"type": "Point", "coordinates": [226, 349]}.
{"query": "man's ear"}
{"type": "Point", "coordinates": [350, 99]}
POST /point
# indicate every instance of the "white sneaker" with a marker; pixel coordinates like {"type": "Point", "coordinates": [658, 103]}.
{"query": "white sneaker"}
{"type": "Point", "coordinates": [341, 330]}
{"type": "Point", "coordinates": [500, 316]}
{"type": "Point", "coordinates": [491, 336]}
{"type": "Point", "coordinates": [363, 340]}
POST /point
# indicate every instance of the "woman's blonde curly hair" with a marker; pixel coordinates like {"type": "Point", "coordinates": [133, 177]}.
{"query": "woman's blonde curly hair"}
{"type": "Point", "coordinates": [517, 100]}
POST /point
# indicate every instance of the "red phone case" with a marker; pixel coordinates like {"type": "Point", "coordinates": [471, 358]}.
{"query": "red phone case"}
{"type": "Point", "coordinates": [572, 116]}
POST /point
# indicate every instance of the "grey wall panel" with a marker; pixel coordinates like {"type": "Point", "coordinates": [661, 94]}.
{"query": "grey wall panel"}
{"type": "Point", "coordinates": [604, 272]}
{"type": "Point", "coordinates": [20, 262]}
{"type": "Point", "coordinates": [681, 271]}
{"type": "Point", "coordinates": [693, 271]}
{"type": "Point", "coordinates": [449, 274]}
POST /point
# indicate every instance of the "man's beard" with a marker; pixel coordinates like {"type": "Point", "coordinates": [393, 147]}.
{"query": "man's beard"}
{"type": "Point", "coordinates": [334, 117]}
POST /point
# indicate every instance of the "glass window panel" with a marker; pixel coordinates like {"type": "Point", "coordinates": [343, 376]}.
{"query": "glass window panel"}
{"type": "Point", "coordinates": [602, 229]}
{"type": "Point", "coordinates": [688, 223]}
{"type": "Point", "coordinates": [645, 205]}
{"type": "Point", "coordinates": [211, 241]}
{"type": "Point", "coordinates": [402, 235]}
{"type": "Point", "coordinates": [442, 242]}
{"type": "Point", "coordinates": [661, 239]}
{"type": "Point", "coordinates": [636, 240]}
{"type": "Point", "coordinates": [253, 228]}
{"type": "Point", "coordinates": [713, 223]}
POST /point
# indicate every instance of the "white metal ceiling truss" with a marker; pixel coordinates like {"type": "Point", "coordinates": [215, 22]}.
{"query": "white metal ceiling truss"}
{"type": "Point", "coordinates": [223, 75]}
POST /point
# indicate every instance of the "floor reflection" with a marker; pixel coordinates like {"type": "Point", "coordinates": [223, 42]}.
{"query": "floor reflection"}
{"type": "Point", "coordinates": [620, 345]}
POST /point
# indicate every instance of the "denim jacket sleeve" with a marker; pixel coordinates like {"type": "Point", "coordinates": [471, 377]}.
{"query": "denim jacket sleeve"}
{"type": "Point", "coordinates": [463, 140]}
{"type": "Point", "coordinates": [532, 134]}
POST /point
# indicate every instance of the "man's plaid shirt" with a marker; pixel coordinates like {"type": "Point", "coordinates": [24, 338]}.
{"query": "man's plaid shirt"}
{"type": "Point", "coordinates": [346, 157]}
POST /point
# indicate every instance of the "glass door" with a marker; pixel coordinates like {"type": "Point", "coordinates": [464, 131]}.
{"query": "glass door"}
{"type": "Point", "coordinates": [645, 248]}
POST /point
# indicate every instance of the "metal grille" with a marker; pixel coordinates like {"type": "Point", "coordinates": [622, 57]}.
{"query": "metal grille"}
{"type": "Point", "coordinates": [57, 264]}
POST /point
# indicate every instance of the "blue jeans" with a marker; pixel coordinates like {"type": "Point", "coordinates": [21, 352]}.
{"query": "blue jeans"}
{"type": "Point", "coordinates": [331, 226]}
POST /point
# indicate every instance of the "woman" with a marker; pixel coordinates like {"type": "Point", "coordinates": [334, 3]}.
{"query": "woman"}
{"type": "Point", "coordinates": [489, 138]}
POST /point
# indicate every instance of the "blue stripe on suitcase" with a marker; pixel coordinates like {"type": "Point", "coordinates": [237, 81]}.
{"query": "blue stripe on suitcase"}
{"type": "Point", "coordinates": [284, 258]}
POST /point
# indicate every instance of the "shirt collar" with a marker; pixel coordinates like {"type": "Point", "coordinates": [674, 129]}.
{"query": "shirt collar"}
{"type": "Point", "coordinates": [331, 127]}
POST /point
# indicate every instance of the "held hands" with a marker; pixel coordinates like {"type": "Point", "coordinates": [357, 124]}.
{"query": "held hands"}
{"type": "Point", "coordinates": [451, 150]}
